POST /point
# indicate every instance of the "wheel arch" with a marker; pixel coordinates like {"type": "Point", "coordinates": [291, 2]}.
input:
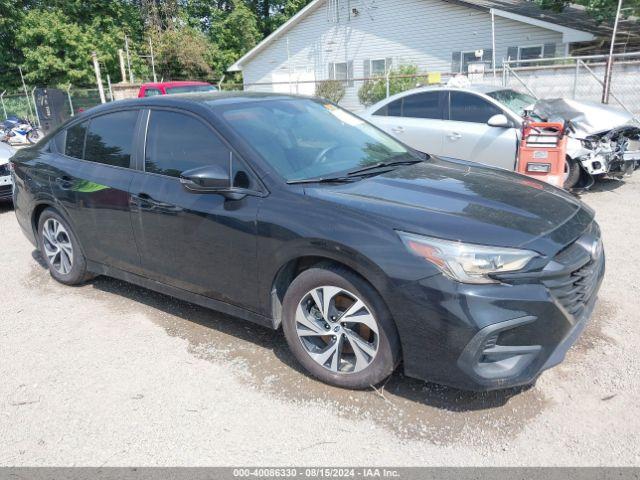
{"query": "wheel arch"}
{"type": "Point", "coordinates": [293, 266]}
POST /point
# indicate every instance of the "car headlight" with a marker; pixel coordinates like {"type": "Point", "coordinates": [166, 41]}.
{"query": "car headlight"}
{"type": "Point", "coordinates": [465, 262]}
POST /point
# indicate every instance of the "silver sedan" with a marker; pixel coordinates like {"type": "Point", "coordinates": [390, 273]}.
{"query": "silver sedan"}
{"type": "Point", "coordinates": [483, 124]}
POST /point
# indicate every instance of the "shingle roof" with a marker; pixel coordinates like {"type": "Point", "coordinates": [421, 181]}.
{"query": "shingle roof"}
{"type": "Point", "coordinates": [573, 16]}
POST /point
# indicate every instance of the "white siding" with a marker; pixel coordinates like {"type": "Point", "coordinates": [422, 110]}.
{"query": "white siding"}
{"type": "Point", "coordinates": [420, 32]}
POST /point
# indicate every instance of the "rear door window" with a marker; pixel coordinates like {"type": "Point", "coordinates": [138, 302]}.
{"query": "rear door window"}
{"type": "Point", "coordinates": [177, 142]}
{"type": "Point", "coordinates": [467, 107]}
{"type": "Point", "coordinates": [110, 138]}
{"type": "Point", "coordinates": [74, 146]}
{"type": "Point", "coordinates": [152, 92]}
{"type": "Point", "coordinates": [422, 105]}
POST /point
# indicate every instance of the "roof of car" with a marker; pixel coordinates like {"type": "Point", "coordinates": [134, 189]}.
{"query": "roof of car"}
{"type": "Point", "coordinates": [209, 99]}
{"type": "Point", "coordinates": [181, 83]}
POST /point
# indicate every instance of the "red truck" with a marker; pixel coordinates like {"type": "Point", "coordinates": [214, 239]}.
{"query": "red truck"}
{"type": "Point", "coordinates": [168, 88]}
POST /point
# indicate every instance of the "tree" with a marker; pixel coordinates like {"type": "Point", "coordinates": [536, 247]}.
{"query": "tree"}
{"type": "Point", "coordinates": [600, 10]}
{"type": "Point", "coordinates": [183, 53]}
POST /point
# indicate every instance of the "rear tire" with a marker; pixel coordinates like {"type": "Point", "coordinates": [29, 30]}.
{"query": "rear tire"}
{"type": "Point", "coordinates": [349, 341]}
{"type": "Point", "coordinates": [60, 249]}
{"type": "Point", "coordinates": [572, 172]}
{"type": "Point", "coordinates": [33, 136]}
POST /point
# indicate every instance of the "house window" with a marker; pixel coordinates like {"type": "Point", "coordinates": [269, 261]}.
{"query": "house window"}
{"type": "Point", "coordinates": [460, 60]}
{"type": "Point", "coordinates": [378, 68]}
{"type": "Point", "coordinates": [342, 71]}
{"type": "Point", "coordinates": [530, 53]}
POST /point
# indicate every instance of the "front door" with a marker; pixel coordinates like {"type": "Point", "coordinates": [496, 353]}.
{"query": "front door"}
{"type": "Point", "coordinates": [204, 243]}
{"type": "Point", "coordinates": [468, 137]}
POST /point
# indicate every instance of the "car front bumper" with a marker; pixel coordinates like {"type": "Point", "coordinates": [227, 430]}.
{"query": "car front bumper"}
{"type": "Point", "coordinates": [6, 187]}
{"type": "Point", "coordinates": [487, 337]}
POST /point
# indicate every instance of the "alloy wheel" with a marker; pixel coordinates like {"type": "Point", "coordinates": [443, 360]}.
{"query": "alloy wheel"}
{"type": "Point", "coordinates": [337, 329]}
{"type": "Point", "coordinates": [57, 246]}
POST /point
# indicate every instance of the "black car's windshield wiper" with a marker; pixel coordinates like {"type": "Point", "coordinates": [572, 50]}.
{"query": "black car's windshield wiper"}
{"type": "Point", "coordinates": [322, 180]}
{"type": "Point", "coordinates": [391, 163]}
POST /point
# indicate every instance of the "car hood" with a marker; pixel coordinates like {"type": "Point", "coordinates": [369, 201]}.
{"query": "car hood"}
{"type": "Point", "coordinates": [586, 117]}
{"type": "Point", "coordinates": [461, 201]}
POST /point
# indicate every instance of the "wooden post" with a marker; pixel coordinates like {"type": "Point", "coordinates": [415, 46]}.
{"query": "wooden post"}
{"type": "Point", "coordinates": [96, 67]}
{"type": "Point", "coordinates": [123, 70]}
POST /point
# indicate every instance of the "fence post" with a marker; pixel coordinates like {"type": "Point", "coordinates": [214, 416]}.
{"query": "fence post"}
{"type": "Point", "coordinates": [70, 102]}
{"type": "Point", "coordinates": [96, 67]}
{"type": "Point", "coordinates": [389, 83]}
{"type": "Point", "coordinates": [2, 101]}
{"type": "Point", "coordinates": [26, 92]}
{"type": "Point", "coordinates": [35, 106]}
{"type": "Point", "coordinates": [575, 78]}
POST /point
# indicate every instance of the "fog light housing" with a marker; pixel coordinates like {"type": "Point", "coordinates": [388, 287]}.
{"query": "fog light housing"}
{"type": "Point", "coordinates": [538, 167]}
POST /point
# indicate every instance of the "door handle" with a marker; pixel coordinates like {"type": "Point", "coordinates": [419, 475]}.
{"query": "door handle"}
{"type": "Point", "coordinates": [64, 182]}
{"type": "Point", "coordinates": [397, 129]}
{"type": "Point", "coordinates": [454, 136]}
{"type": "Point", "coordinates": [146, 202]}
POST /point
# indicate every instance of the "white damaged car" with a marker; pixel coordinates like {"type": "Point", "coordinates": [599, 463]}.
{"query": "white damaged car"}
{"type": "Point", "coordinates": [6, 183]}
{"type": "Point", "coordinates": [483, 124]}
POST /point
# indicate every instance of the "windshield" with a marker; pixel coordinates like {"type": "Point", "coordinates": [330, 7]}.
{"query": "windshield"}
{"type": "Point", "coordinates": [191, 89]}
{"type": "Point", "coordinates": [515, 101]}
{"type": "Point", "coordinates": [306, 139]}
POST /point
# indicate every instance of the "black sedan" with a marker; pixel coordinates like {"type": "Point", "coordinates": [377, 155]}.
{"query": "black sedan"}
{"type": "Point", "coordinates": [291, 212]}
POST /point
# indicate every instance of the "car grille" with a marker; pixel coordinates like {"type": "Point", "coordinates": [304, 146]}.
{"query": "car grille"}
{"type": "Point", "coordinates": [575, 289]}
{"type": "Point", "coordinates": [5, 190]}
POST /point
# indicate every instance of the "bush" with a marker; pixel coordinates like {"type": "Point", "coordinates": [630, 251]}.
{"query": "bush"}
{"type": "Point", "coordinates": [331, 90]}
{"type": "Point", "coordinates": [372, 91]}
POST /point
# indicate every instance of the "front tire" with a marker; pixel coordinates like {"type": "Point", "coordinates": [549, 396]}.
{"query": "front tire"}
{"type": "Point", "coordinates": [339, 329]}
{"type": "Point", "coordinates": [571, 172]}
{"type": "Point", "coordinates": [60, 249]}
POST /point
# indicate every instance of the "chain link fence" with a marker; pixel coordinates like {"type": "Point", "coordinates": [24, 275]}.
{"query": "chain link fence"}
{"type": "Point", "coordinates": [580, 78]}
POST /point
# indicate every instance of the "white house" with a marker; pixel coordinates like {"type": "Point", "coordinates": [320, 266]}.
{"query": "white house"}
{"type": "Point", "coordinates": [355, 39]}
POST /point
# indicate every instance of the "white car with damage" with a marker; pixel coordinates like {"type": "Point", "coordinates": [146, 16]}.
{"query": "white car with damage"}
{"type": "Point", "coordinates": [6, 183]}
{"type": "Point", "coordinates": [483, 124]}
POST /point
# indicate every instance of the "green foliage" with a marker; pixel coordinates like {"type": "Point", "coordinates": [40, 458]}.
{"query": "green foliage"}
{"type": "Point", "coordinates": [373, 91]}
{"type": "Point", "coordinates": [332, 90]}
{"type": "Point", "coordinates": [183, 53]}
{"type": "Point", "coordinates": [600, 10]}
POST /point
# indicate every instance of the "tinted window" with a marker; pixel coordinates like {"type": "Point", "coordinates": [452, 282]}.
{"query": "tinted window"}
{"type": "Point", "coordinates": [152, 92]}
{"type": "Point", "coordinates": [422, 105]}
{"type": "Point", "coordinates": [75, 140]}
{"type": "Point", "coordinates": [177, 142]}
{"type": "Point", "coordinates": [466, 107]}
{"type": "Point", "coordinates": [393, 109]}
{"type": "Point", "coordinates": [110, 138]}
{"type": "Point", "coordinates": [191, 89]}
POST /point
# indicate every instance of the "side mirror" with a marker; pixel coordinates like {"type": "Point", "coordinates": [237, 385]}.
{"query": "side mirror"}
{"type": "Point", "coordinates": [500, 120]}
{"type": "Point", "coordinates": [209, 179]}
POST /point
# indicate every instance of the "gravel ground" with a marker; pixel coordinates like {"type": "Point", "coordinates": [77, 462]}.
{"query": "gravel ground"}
{"type": "Point", "coordinates": [111, 374]}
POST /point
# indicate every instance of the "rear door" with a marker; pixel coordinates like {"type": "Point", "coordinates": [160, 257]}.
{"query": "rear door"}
{"type": "Point", "coordinates": [416, 120]}
{"type": "Point", "coordinates": [92, 177]}
{"type": "Point", "coordinates": [468, 137]}
{"type": "Point", "coordinates": [203, 243]}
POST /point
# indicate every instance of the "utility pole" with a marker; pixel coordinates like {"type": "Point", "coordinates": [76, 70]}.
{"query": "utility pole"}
{"type": "Point", "coordinates": [123, 70]}
{"type": "Point", "coordinates": [126, 46]}
{"type": "Point", "coordinates": [26, 92]}
{"type": "Point", "coordinates": [606, 90]}
{"type": "Point", "coordinates": [493, 44]}
{"type": "Point", "coordinates": [96, 67]}
{"type": "Point", "coordinates": [153, 63]}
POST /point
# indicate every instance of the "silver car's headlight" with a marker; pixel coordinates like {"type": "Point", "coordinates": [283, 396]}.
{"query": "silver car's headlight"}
{"type": "Point", "coordinates": [465, 262]}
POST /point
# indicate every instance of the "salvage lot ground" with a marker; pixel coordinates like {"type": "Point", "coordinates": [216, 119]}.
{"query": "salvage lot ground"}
{"type": "Point", "coordinates": [112, 374]}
